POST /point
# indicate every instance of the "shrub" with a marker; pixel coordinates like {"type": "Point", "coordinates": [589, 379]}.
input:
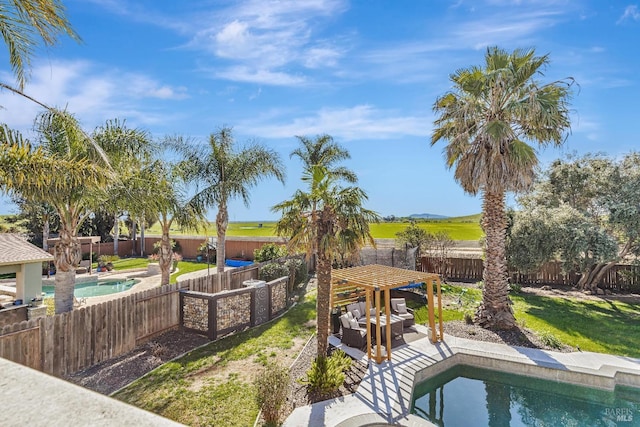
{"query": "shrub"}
{"type": "Point", "coordinates": [326, 374]}
{"type": "Point", "coordinates": [274, 270]}
{"type": "Point", "coordinates": [468, 318]}
{"type": "Point", "coordinates": [272, 387]}
{"type": "Point", "coordinates": [268, 252]}
{"type": "Point", "coordinates": [550, 340]}
{"type": "Point", "coordinates": [515, 288]}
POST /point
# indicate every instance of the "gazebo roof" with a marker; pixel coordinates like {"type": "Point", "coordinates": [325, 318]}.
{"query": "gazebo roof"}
{"type": "Point", "coordinates": [380, 276]}
{"type": "Point", "coordinates": [14, 249]}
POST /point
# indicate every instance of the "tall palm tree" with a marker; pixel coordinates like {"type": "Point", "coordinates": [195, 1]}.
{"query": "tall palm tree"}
{"type": "Point", "coordinates": [222, 173]}
{"type": "Point", "coordinates": [22, 23]}
{"type": "Point", "coordinates": [489, 120]}
{"type": "Point", "coordinates": [327, 217]}
{"type": "Point", "coordinates": [170, 203]}
{"type": "Point", "coordinates": [322, 151]}
{"type": "Point", "coordinates": [65, 170]}
{"type": "Point", "coordinates": [127, 149]}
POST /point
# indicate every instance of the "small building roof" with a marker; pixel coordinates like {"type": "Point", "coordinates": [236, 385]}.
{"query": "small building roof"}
{"type": "Point", "coordinates": [81, 239]}
{"type": "Point", "coordinates": [14, 249]}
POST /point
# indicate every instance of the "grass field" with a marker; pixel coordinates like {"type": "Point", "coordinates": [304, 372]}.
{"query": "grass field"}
{"type": "Point", "coordinates": [459, 228]}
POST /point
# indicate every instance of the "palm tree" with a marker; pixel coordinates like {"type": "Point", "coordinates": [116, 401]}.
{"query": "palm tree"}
{"type": "Point", "coordinates": [128, 150]}
{"type": "Point", "coordinates": [169, 186]}
{"type": "Point", "coordinates": [489, 120]}
{"type": "Point", "coordinates": [322, 151]}
{"type": "Point", "coordinates": [67, 171]}
{"type": "Point", "coordinates": [22, 23]}
{"type": "Point", "coordinates": [221, 173]}
{"type": "Point", "coordinates": [326, 217]}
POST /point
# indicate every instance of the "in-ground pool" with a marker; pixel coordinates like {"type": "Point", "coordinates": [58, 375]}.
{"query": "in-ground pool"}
{"type": "Point", "coordinates": [469, 396]}
{"type": "Point", "coordinates": [96, 289]}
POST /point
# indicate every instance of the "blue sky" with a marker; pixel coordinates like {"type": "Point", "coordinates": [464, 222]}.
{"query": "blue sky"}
{"type": "Point", "coordinates": [365, 72]}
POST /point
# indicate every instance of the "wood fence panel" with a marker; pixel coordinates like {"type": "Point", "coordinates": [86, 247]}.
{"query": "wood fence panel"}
{"type": "Point", "coordinates": [46, 342]}
{"type": "Point", "coordinates": [20, 343]}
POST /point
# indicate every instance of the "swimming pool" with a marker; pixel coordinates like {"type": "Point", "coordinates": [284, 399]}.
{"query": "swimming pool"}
{"type": "Point", "coordinates": [96, 289]}
{"type": "Point", "coordinates": [472, 396]}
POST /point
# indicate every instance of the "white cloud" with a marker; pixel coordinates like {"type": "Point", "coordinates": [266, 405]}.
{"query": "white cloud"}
{"type": "Point", "coordinates": [264, 40]}
{"type": "Point", "coordinates": [260, 76]}
{"type": "Point", "coordinates": [630, 12]}
{"type": "Point", "coordinates": [89, 91]}
{"type": "Point", "coordinates": [355, 123]}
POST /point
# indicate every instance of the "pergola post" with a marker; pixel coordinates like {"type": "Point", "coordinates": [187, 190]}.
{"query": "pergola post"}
{"type": "Point", "coordinates": [378, 328]}
{"type": "Point", "coordinates": [387, 309]}
{"type": "Point", "coordinates": [432, 320]}
{"type": "Point", "coordinates": [368, 303]}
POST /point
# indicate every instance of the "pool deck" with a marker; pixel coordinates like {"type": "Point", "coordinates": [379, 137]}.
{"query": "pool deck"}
{"type": "Point", "coordinates": [385, 393]}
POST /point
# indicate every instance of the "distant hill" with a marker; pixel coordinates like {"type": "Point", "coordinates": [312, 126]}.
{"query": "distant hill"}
{"type": "Point", "coordinates": [427, 216]}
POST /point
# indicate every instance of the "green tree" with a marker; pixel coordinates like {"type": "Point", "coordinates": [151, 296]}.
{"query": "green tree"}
{"type": "Point", "coordinates": [173, 206]}
{"type": "Point", "coordinates": [129, 150]}
{"type": "Point", "coordinates": [584, 212]}
{"type": "Point", "coordinates": [414, 236]}
{"type": "Point", "coordinates": [489, 120]}
{"type": "Point", "coordinates": [335, 216]}
{"type": "Point", "coordinates": [65, 170]}
{"type": "Point", "coordinates": [221, 173]}
{"type": "Point", "coordinates": [325, 152]}
{"type": "Point", "coordinates": [26, 23]}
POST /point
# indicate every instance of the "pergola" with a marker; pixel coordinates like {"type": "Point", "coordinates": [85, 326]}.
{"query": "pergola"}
{"type": "Point", "coordinates": [374, 279]}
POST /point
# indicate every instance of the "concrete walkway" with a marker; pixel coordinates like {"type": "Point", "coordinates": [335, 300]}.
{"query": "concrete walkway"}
{"type": "Point", "coordinates": [385, 393]}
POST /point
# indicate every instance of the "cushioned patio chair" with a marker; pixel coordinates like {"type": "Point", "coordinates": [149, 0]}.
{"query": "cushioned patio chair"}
{"type": "Point", "coordinates": [399, 308]}
{"type": "Point", "coordinates": [352, 334]}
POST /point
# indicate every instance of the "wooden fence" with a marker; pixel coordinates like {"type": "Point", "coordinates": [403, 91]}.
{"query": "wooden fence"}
{"type": "Point", "coordinates": [69, 342]}
{"type": "Point", "coordinates": [621, 277]}
{"type": "Point", "coordinates": [226, 281]}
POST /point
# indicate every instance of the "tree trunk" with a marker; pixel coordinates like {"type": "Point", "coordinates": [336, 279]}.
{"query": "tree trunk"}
{"type": "Point", "coordinates": [590, 280]}
{"type": "Point", "coordinates": [66, 258]}
{"type": "Point", "coordinates": [133, 236]}
{"type": "Point", "coordinates": [116, 233]}
{"type": "Point", "coordinates": [495, 310]}
{"type": "Point", "coordinates": [45, 232]}
{"type": "Point", "coordinates": [323, 273]}
{"type": "Point", "coordinates": [142, 237]}
{"type": "Point", "coordinates": [165, 255]}
{"type": "Point", "coordinates": [222, 221]}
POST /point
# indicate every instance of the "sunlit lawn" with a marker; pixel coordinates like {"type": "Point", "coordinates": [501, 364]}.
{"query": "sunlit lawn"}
{"type": "Point", "coordinates": [185, 267]}
{"type": "Point", "coordinates": [599, 326]}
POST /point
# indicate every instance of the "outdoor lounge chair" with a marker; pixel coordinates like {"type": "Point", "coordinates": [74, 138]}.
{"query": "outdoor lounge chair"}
{"type": "Point", "coordinates": [399, 308]}
{"type": "Point", "coordinates": [352, 334]}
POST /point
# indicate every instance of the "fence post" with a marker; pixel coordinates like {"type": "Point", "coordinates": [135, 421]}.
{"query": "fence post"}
{"type": "Point", "coordinates": [212, 333]}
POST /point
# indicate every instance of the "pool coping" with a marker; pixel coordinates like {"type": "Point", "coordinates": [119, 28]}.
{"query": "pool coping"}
{"type": "Point", "coordinates": [387, 388]}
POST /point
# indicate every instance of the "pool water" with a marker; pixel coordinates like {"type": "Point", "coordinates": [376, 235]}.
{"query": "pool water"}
{"type": "Point", "coordinates": [96, 289]}
{"type": "Point", "coordinates": [469, 396]}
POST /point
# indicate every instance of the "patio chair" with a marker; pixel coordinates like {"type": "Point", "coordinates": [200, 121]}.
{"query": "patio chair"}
{"type": "Point", "coordinates": [399, 308]}
{"type": "Point", "coordinates": [352, 334]}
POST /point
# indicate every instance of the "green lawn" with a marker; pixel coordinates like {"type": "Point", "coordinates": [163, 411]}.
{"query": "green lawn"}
{"type": "Point", "coordinates": [189, 266]}
{"type": "Point", "coordinates": [213, 385]}
{"type": "Point", "coordinates": [459, 228]}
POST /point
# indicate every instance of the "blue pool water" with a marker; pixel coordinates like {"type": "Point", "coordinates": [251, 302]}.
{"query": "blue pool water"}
{"type": "Point", "coordinates": [469, 396]}
{"type": "Point", "coordinates": [96, 289]}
